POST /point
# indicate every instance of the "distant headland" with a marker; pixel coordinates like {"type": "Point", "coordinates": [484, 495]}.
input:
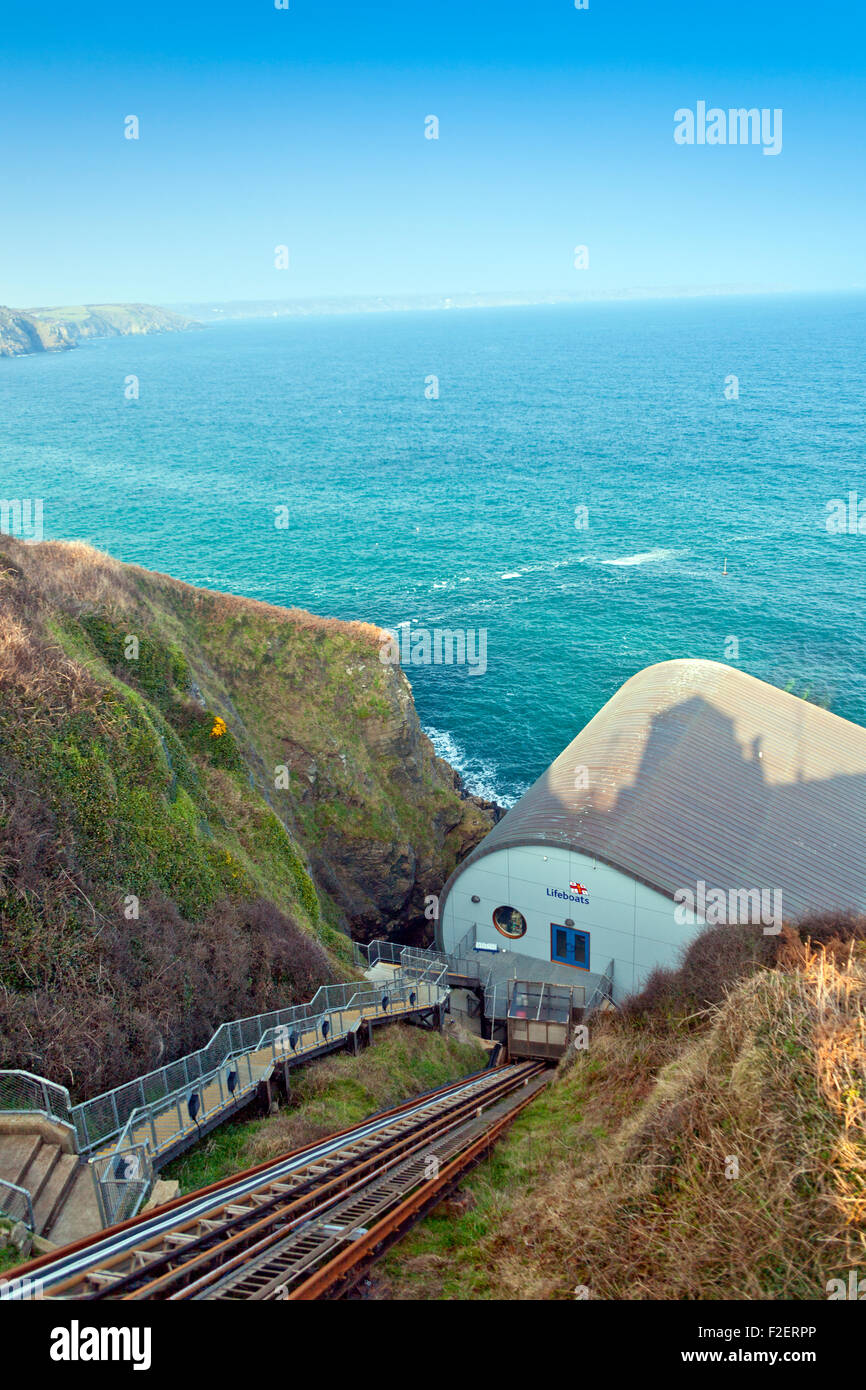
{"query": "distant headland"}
{"type": "Point", "coordinates": [25, 331]}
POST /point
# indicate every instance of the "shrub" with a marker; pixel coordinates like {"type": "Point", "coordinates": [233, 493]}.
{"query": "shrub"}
{"type": "Point", "coordinates": [157, 669]}
{"type": "Point", "coordinates": [207, 734]}
{"type": "Point", "coordinates": [150, 990]}
{"type": "Point", "coordinates": [720, 956]}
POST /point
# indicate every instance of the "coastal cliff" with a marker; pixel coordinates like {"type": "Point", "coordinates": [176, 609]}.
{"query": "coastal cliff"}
{"type": "Point", "coordinates": [202, 797]}
{"type": "Point", "coordinates": [22, 333]}
{"type": "Point", "coordinates": [25, 331]}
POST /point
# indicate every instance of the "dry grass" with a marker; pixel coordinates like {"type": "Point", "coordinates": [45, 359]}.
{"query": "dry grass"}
{"type": "Point", "coordinates": [33, 670]}
{"type": "Point", "coordinates": [672, 1164]}
{"type": "Point", "coordinates": [75, 576]}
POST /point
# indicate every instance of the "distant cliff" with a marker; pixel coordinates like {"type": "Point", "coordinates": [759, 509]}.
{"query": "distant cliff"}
{"type": "Point", "coordinates": [53, 330]}
{"type": "Point", "coordinates": [22, 333]}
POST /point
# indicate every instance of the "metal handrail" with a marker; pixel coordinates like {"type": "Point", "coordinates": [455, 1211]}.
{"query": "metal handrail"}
{"type": "Point", "coordinates": [122, 1181]}
{"type": "Point", "coordinates": [16, 1203]}
{"type": "Point", "coordinates": [274, 1042]}
{"type": "Point", "coordinates": [119, 1201]}
{"type": "Point", "coordinates": [25, 1086]}
{"type": "Point", "coordinates": [98, 1120]}
{"type": "Point", "coordinates": [602, 990]}
{"type": "Point", "coordinates": [109, 1126]}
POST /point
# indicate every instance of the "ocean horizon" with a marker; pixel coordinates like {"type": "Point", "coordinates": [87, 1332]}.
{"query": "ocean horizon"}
{"type": "Point", "coordinates": [575, 491]}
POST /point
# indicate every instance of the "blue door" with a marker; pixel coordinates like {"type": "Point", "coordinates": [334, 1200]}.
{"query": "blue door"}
{"type": "Point", "coordinates": [569, 946]}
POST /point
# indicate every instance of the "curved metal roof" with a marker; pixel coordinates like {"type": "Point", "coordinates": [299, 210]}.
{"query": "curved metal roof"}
{"type": "Point", "coordinates": [696, 771]}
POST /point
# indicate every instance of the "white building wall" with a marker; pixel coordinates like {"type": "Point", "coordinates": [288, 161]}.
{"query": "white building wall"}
{"type": "Point", "coordinates": [627, 922]}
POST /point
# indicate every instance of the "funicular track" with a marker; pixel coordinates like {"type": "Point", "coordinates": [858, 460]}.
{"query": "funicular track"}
{"type": "Point", "coordinates": [305, 1225]}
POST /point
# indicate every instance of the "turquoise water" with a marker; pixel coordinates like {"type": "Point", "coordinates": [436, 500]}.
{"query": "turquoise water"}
{"type": "Point", "coordinates": [459, 512]}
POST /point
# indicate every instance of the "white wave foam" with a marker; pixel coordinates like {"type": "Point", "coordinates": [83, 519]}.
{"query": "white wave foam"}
{"type": "Point", "coordinates": [544, 568]}
{"type": "Point", "coordinates": [479, 777]}
{"type": "Point", "coordinates": [645, 557]}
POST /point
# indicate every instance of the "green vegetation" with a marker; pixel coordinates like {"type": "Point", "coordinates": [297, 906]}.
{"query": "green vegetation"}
{"type": "Point", "coordinates": [156, 668]}
{"type": "Point", "coordinates": [200, 797]}
{"type": "Point", "coordinates": [10, 1257]}
{"type": "Point", "coordinates": [330, 1095]}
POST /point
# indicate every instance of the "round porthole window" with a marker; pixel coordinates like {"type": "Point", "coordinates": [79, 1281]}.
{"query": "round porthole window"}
{"type": "Point", "coordinates": [509, 922]}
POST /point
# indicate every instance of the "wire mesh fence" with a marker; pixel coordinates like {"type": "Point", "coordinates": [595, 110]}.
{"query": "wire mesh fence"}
{"type": "Point", "coordinates": [125, 1129]}
{"type": "Point", "coordinates": [602, 992]}
{"type": "Point", "coordinates": [123, 1180]}
{"type": "Point", "coordinates": [21, 1091]}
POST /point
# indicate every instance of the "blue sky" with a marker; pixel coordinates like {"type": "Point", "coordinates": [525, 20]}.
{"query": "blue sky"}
{"type": "Point", "coordinates": [305, 127]}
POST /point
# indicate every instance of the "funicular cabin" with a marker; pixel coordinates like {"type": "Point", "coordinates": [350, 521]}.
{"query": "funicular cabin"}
{"type": "Point", "coordinates": [539, 1019]}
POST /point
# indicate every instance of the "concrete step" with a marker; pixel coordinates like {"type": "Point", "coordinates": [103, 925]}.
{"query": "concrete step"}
{"type": "Point", "coordinates": [16, 1151]}
{"type": "Point", "coordinates": [53, 1193]}
{"type": "Point", "coordinates": [39, 1169]}
{"type": "Point", "coordinates": [61, 1187]}
{"type": "Point", "coordinates": [79, 1216]}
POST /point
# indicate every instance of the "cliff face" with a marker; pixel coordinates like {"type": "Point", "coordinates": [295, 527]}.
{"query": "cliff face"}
{"type": "Point", "coordinates": [22, 333]}
{"type": "Point", "coordinates": [201, 796]}
{"type": "Point", "coordinates": [49, 330]}
{"type": "Point", "coordinates": [113, 320]}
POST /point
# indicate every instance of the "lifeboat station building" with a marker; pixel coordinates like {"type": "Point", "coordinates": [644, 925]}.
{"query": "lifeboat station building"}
{"type": "Point", "coordinates": [696, 795]}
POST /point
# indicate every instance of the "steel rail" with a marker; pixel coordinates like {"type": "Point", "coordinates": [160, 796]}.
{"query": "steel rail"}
{"type": "Point", "coordinates": [149, 1251]}
{"type": "Point", "coordinates": [52, 1269]}
{"type": "Point", "coordinates": [395, 1156]}
{"type": "Point", "coordinates": [269, 1211]}
{"type": "Point", "coordinates": [365, 1248]}
{"type": "Point", "coordinates": [314, 1240]}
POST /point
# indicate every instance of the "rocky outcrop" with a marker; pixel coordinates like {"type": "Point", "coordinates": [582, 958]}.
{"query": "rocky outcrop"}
{"type": "Point", "coordinates": [381, 819]}
{"type": "Point", "coordinates": [206, 755]}
{"type": "Point", "coordinates": [385, 884]}
{"type": "Point", "coordinates": [201, 799]}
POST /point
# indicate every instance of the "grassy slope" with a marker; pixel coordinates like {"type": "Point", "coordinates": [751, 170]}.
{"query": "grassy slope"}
{"type": "Point", "coordinates": [113, 784]}
{"type": "Point", "coordinates": [330, 1095]}
{"type": "Point", "coordinates": [616, 1180]}
{"type": "Point", "coordinates": [106, 320]}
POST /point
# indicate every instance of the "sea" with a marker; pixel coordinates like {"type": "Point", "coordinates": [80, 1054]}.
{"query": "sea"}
{"type": "Point", "coordinates": [593, 487]}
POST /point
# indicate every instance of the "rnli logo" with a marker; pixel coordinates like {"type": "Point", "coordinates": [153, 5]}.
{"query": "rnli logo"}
{"type": "Point", "coordinates": [578, 893]}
